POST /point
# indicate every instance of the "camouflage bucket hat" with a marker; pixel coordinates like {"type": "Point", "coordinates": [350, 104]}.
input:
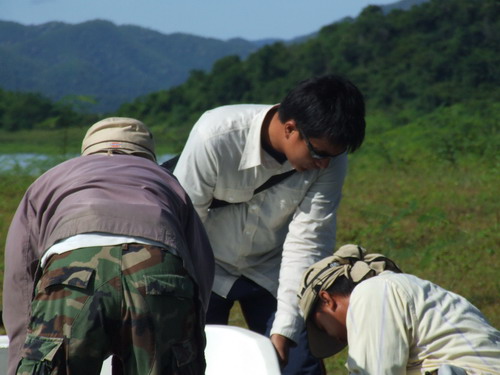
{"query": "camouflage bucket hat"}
{"type": "Point", "coordinates": [350, 261]}
{"type": "Point", "coordinates": [119, 135]}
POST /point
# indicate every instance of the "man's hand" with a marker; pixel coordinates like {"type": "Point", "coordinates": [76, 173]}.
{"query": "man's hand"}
{"type": "Point", "coordinates": [282, 345]}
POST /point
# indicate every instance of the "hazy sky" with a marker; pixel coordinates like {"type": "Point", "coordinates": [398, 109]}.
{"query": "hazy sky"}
{"type": "Point", "coordinates": [222, 19]}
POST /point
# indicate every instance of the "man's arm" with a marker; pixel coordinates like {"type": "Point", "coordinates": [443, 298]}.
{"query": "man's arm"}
{"type": "Point", "coordinates": [311, 237]}
{"type": "Point", "coordinates": [201, 253]}
{"type": "Point", "coordinates": [197, 172]}
{"type": "Point", "coordinates": [282, 346]}
{"type": "Point", "coordinates": [20, 265]}
{"type": "Point", "coordinates": [377, 329]}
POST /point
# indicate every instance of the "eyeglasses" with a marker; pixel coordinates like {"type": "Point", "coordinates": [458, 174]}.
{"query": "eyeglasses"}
{"type": "Point", "coordinates": [315, 154]}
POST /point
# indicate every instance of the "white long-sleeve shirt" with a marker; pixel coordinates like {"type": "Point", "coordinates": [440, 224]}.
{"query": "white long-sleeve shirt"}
{"type": "Point", "coordinates": [271, 237]}
{"type": "Point", "coordinates": [400, 324]}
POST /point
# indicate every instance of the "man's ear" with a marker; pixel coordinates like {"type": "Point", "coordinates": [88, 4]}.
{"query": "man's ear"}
{"type": "Point", "coordinates": [327, 300]}
{"type": "Point", "coordinates": [290, 127]}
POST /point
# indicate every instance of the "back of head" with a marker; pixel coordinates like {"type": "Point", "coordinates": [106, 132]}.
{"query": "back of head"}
{"type": "Point", "coordinates": [347, 267]}
{"type": "Point", "coordinates": [119, 135]}
{"type": "Point", "coordinates": [328, 107]}
{"type": "Point", "coordinates": [349, 261]}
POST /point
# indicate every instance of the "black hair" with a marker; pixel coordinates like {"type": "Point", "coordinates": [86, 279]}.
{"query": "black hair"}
{"type": "Point", "coordinates": [342, 286]}
{"type": "Point", "coordinates": [329, 107]}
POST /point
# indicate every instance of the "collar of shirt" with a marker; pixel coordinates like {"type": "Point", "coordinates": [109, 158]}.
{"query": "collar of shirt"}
{"type": "Point", "coordinates": [253, 154]}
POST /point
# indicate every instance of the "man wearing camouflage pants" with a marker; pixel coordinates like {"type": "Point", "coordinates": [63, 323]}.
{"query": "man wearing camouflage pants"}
{"type": "Point", "coordinates": [106, 256]}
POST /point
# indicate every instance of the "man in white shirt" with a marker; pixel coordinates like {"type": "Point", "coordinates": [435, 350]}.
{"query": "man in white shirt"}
{"type": "Point", "coordinates": [394, 323]}
{"type": "Point", "coordinates": [264, 235]}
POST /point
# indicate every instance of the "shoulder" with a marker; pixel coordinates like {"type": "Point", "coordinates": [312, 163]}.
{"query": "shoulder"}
{"type": "Point", "coordinates": [228, 118]}
{"type": "Point", "coordinates": [386, 284]}
{"type": "Point", "coordinates": [60, 171]}
{"type": "Point", "coordinates": [337, 166]}
{"type": "Point", "coordinates": [332, 178]}
{"type": "Point", "coordinates": [92, 167]}
{"type": "Point", "coordinates": [236, 110]}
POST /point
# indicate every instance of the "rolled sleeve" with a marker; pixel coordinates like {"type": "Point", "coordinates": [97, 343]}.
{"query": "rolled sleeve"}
{"type": "Point", "coordinates": [311, 237]}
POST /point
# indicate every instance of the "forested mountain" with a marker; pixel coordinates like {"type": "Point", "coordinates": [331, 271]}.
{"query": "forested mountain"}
{"type": "Point", "coordinates": [112, 64]}
{"type": "Point", "coordinates": [407, 63]}
{"type": "Point", "coordinates": [108, 65]}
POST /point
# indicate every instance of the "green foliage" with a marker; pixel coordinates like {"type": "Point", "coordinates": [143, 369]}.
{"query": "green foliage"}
{"type": "Point", "coordinates": [423, 187]}
{"type": "Point", "coordinates": [25, 111]}
{"type": "Point", "coordinates": [426, 194]}
{"type": "Point", "coordinates": [405, 197]}
{"type": "Point", "coordinates": [451, 134]}
{"type": "Point", "coordinates": [407, 63]}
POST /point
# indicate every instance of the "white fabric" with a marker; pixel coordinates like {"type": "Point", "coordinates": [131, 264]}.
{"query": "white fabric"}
{"type": "Point", "coordinates": [400, 324]}
{"type": "Point", "coordinates": [229, 351]}
{"type": "Point", "coordinates": [92, 240]}
{"type": "Point", "coordinates": [274, 235]}
{"type": "Point", "coordinates": [234, 350]}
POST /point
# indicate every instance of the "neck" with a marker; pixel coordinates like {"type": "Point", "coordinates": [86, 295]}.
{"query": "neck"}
{"type": "Point", "coordinates": [271, 130]}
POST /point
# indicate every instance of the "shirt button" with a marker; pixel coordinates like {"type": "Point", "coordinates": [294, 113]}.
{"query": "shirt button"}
{"type": "Point", "coordinates": [254, 207]}
{"type": "Point", "coordinates": [231, 199]}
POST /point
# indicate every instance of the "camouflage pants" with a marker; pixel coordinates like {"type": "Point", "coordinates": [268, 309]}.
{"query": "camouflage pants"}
{"type": "Point", "coordinates": [134, 301]}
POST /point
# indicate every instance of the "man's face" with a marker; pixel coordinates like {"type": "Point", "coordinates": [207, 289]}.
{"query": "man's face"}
{"type": "Point", "coordinates": [330, 321]}
{"type": "Point", "coordinates": [310, 153]}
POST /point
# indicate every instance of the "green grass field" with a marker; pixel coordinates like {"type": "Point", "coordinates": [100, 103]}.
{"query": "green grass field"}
{"type": "Point", "coordinates": [427, 200]}
{"type": "Point", "coordinates": [440, 223]}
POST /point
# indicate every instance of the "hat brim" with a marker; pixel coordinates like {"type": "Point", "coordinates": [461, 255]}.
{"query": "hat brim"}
{"type": "Point", "coordinates": [321, 344]}
{"type": "Point", "coordinates": [121, 147]}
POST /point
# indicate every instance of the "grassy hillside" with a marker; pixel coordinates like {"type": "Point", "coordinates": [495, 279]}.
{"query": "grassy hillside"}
{"type": "Point", "coordinates": [407, 63]}
{"type": "Point", "coordinates": [426, 195]}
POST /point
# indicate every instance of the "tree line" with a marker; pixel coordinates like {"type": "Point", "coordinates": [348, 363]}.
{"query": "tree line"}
{"type": "Point", "coordinates": [407, 63]}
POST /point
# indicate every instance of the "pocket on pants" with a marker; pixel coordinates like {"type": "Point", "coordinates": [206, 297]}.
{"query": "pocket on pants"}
{"type": "Point", "coordinates": [40, 355]}
{"type": "Point", "coordinates": [78, 277]}
{"type": "Point", "coordinates": [175, 285]}
{"type": "Point", "coordinates": [177, 324]}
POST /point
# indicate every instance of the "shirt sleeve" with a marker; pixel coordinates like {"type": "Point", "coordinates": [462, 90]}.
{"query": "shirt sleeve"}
{"type": "Point", "coordinates": [197, 240]}
{"type": "Point", "coordinates": [20, 265]}
{"type": "Point", "coordinates": [311, 237]}
{"type": "Point", "coordinates": [197, 170]}
{"type": "Point", "coordinates": [377, 328]}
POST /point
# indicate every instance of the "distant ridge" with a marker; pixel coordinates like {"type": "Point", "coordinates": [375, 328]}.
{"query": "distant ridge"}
{"type": "Point", "coordinates": [113, 64]}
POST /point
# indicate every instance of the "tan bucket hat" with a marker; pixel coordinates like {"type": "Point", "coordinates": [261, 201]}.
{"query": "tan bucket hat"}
{"type": "Point", "coordinates": [350, 261]}
{"type": "Point", "coordinates": [119, 135]}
